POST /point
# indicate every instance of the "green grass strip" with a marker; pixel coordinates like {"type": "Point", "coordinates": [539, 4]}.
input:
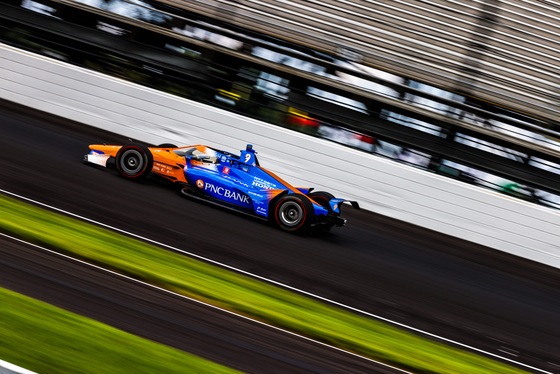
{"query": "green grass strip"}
{"type": "Point", "coordinates": [241, 294]}
{"type": "Point", "coordinates": [46, 339]}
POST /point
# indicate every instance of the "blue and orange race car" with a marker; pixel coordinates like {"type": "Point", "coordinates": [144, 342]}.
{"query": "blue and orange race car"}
{"type": "Point", "coordinates": [234, 181]}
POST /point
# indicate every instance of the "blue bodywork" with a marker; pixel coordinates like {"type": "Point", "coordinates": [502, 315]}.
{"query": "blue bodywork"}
{"type": "Point", "coordinates": [240, 182]}
{"type": "Point", "coordinates": [235, 181]}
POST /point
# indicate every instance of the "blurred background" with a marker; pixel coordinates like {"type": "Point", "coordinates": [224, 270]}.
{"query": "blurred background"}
{"type": "Point", "coordinates": [465, 89]}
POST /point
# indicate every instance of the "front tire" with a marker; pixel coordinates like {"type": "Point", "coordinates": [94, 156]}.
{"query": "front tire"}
{"type": "Point", "coordinates": [294, 213]}
{"type": "Point", "coordinates": [134, 161]}
{"type": "Point", "coordinates": [167, 145]}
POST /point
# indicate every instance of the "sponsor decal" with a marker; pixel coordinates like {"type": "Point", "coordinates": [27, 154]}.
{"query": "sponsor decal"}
{"type": "Point", "coordinates": [257, 197]}
{"type": "Point", "coordinates": [263, 184]}
{"type": "Point", "coordinates": [225, 192]}
{"type": "Point", "coordinates": [235, 180]}
{"type": "Point", "coordinates": [226, 170]}
{"type": "Point", "coordinates": [163, 168]}
{"type": "Point", "coordinates": [200, 183]}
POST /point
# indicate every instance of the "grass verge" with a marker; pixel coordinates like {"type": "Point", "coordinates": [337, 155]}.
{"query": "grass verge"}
{"type": "Point", "coordinates": [241, 294]}
{"type": "Point", "coordinates": [46, 339]}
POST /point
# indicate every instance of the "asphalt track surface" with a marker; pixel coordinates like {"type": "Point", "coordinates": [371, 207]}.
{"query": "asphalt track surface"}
{"type": "Point", "coordinates": [449, 287]}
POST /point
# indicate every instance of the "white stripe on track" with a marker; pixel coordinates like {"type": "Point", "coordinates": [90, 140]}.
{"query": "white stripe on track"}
{"type": "Point", "coordinates": [203, 303]}
{"type": "Point", "coordinates": [271, 281]}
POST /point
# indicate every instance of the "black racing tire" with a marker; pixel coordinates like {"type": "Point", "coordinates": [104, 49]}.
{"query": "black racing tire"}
{"type": "Point", "coordinates": [167, 145]}
{"type": "Point", "coordinates": [322, 198]}
{"type": "Point", "coordinates": [134, 161]}
{"type": "Point", "coordinates": [294, 213]}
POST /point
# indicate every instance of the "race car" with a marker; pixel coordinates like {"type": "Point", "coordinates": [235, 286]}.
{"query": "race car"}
{"type": "Point", "coordinates": [220, 177]}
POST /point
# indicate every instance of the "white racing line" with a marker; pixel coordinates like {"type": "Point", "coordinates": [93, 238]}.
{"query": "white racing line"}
{"type": "Point", "coordinates": [271, 281]}
{"type": "Point", "coordinates": [13, 369]}
{"type": "Point", "coordinates": [201, 302]}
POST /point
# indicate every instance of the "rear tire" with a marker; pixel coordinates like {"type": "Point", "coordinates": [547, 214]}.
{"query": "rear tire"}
{"type": "Point", "coordinates": [134, 161]}
{"type": "Point", "coordinates": [294, 213]}
{"type": "Point", "coordinates": [322, 198]}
